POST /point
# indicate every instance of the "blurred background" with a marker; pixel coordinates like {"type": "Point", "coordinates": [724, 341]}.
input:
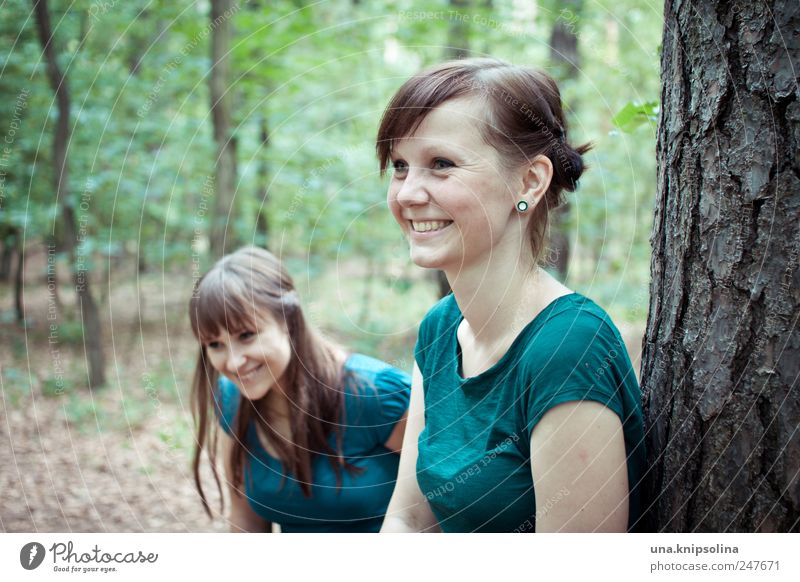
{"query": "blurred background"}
{"type": "Point", "coordinates": [148, 138]}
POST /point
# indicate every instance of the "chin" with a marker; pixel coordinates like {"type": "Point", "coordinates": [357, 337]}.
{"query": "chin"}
{"type": "Point", "coordinates": [255, 393]}
{"type": "Point", "coordinates": [426, 263]}
{"type": "Point", "coordinates": [427, 260]}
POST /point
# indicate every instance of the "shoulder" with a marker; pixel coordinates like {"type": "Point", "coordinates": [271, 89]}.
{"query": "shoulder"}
{"type": "Point", "coordinates": [573, 329]}
{"type": "Point", "coordinates": [576, 354]}
{"type": "Point", "coordinates": [376, 397]}
{"type": "Point", "coordinates": [578, 307]}
{"type": "Point", "coordinates": [367, 376]}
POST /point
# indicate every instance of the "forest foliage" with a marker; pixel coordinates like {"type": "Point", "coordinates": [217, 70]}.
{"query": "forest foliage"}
{"type": "Point", "coordinates": [313, 79]}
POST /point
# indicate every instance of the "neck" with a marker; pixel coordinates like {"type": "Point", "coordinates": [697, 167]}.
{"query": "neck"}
{"type": "Point", "coordinates": [499, 299]}
{"type": "Point", "coordinates": [496, 298]}
{"type": "Point", "coordinates": [276, 404]}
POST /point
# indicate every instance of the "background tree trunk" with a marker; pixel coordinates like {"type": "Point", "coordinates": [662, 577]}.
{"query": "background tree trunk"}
{"type": "Point", "coordinates": [722, 353]}
{"type": "Point", "coordinates": [9, 242]}
{"type": "Point", "coordinates": [90, 318]}
{"type": "Point", "coordinates": [19, 285]}
{"type": "Point", "coordinates": [224, 216]}
{"type": "Point", "coordinates": [458, 30]}
{"type": "Point", "coordinates": [566, 64]}
{"type": "Point", "coordinates": [262, 224]}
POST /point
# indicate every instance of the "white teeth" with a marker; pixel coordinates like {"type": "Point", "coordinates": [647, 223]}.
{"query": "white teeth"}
{"type": "Point", "coordinates": [250, 374]}
{"type": "Point", "coordinates": [429, 225]}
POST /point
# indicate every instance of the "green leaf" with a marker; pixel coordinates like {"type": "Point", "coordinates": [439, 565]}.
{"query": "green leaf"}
{"type": "Point", "coordinates": [634, 115]}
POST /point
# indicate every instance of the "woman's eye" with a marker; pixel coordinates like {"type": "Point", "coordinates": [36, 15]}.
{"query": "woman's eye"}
{"type": "Point", "coordinates": [400, 167]}
{"type": "Point", "coordinates": [442, 164]}
{"type": "Point", "coordinates": [213, 345]}
{"type": "Point", "coordinates": [246, 335]}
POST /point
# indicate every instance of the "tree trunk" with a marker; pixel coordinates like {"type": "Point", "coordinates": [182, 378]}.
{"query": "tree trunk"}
{"type": "Point", "coordinates": [90, 318]}
{"type": "Point", "coordinates": [566, 64]}
{"type": "Point", "coordinates": [5, 263]}
{"type": "Point", "coordinates": [19, 302]}
{"type": "Point", "coordinates": [458, 30]}
{"type": "Point", "coordinates": [262, 225]}
{"type": "Point", "coordinates": [51, 274]}
{"type": "Point", "coordinates": [722, 353]}
{"type": "Point", "coordinates": [10, 237]}
{"type": "Point", "coordinates": [224, 217]}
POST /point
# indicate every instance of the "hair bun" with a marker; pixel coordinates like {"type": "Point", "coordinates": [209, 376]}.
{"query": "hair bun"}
{"type": "Point", "coordinates": [570, 166]}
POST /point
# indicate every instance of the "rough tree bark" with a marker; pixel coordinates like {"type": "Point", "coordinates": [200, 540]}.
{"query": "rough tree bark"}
{"type": "Point", "coordinates": [90, 318]}
{"type": "Point", "coordinates": [222, 237]}
{"type": "Point", "coordinates": [722, 353]}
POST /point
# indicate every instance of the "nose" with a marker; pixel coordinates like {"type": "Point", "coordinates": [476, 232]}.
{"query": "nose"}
{"type": "Point", "coordinates": [234, 361]}
{"type": "Point", "coordinates": [413, 190]}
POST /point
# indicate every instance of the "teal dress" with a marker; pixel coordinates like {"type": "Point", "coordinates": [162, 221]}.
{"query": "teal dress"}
{"type": "Point", "coordinates": [376, 397]}
{"type": "Point", "coordinates": [474, 463]}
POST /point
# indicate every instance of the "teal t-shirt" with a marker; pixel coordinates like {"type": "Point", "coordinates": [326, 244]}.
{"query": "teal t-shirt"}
{"type": "Point", "coordinates": [376, 397]}
{"type": "Point", "coordinates": [474, 465]}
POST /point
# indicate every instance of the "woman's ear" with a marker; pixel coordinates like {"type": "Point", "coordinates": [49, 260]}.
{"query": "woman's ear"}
{"type": "Point", "coordinates": [537, 179]}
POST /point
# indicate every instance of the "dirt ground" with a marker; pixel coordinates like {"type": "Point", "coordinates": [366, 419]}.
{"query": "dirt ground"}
{"type": "Point", "coordinates": [56, 478]}
{"type": "Point", "coordinates": [113, 460]}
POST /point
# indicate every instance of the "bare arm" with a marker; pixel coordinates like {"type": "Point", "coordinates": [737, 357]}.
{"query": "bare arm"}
{"type": "Point", "coordinates": [409, 510]}
{"type": "Point", "coordinates": [395, 441]}
{"type": "Point", "coordinates": [579, 470]}
{"type": "Point", "coordinates": [241, 518]}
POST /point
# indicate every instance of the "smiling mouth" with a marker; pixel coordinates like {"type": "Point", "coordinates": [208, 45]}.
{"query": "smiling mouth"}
{"type": "Point", "coordinates": [251, 374]}
{"type": "Point", "coordinates": [429, 225]}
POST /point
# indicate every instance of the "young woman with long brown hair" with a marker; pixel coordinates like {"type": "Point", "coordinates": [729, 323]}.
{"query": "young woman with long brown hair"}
{"type": "Point", "coordinates": [311, 434]}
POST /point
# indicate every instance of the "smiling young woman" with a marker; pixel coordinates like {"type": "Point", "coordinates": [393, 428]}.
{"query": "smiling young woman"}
{"type": "Point", "coordinates": [525, 411]}
{"type": "Point", "coordinates": [310, 433]}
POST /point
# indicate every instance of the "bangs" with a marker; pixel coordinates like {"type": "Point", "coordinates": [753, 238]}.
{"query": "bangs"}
{"type": "Point", "coordinates": [422, 93]}
{"type": "Point", "coordinates": [415, 99]}
{"type": "Point", "coordinates": [220, 303]}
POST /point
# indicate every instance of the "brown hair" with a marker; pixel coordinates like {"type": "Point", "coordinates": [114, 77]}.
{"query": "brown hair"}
{"type": "Point", "coordinates": [234, 295]}
{"type": "Point", "coordinates": [524, 119]}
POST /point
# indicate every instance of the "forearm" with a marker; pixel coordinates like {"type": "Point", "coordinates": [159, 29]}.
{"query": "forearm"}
{"type": "Point", "coordinates": [408, 509]}
{"type": "Point", "coordinates": [412, 520]}
{"type": "Point", "coordinates": [396, 525]}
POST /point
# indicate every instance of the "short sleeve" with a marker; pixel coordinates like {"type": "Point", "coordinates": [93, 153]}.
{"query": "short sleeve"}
{"type": "Point", "coordinates": [578, 357]}
{"type": "Point", "coordinates": [374, 409]}
{"type": "Point", "coordinates": [226, 403]}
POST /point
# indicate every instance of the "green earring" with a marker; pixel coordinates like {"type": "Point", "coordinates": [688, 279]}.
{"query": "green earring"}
{"type": "Point", "coordinates": [522, 206]}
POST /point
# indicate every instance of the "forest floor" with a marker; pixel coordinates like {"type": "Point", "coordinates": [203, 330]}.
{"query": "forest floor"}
{"type": "Point", "coordinates": [117, 459]}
